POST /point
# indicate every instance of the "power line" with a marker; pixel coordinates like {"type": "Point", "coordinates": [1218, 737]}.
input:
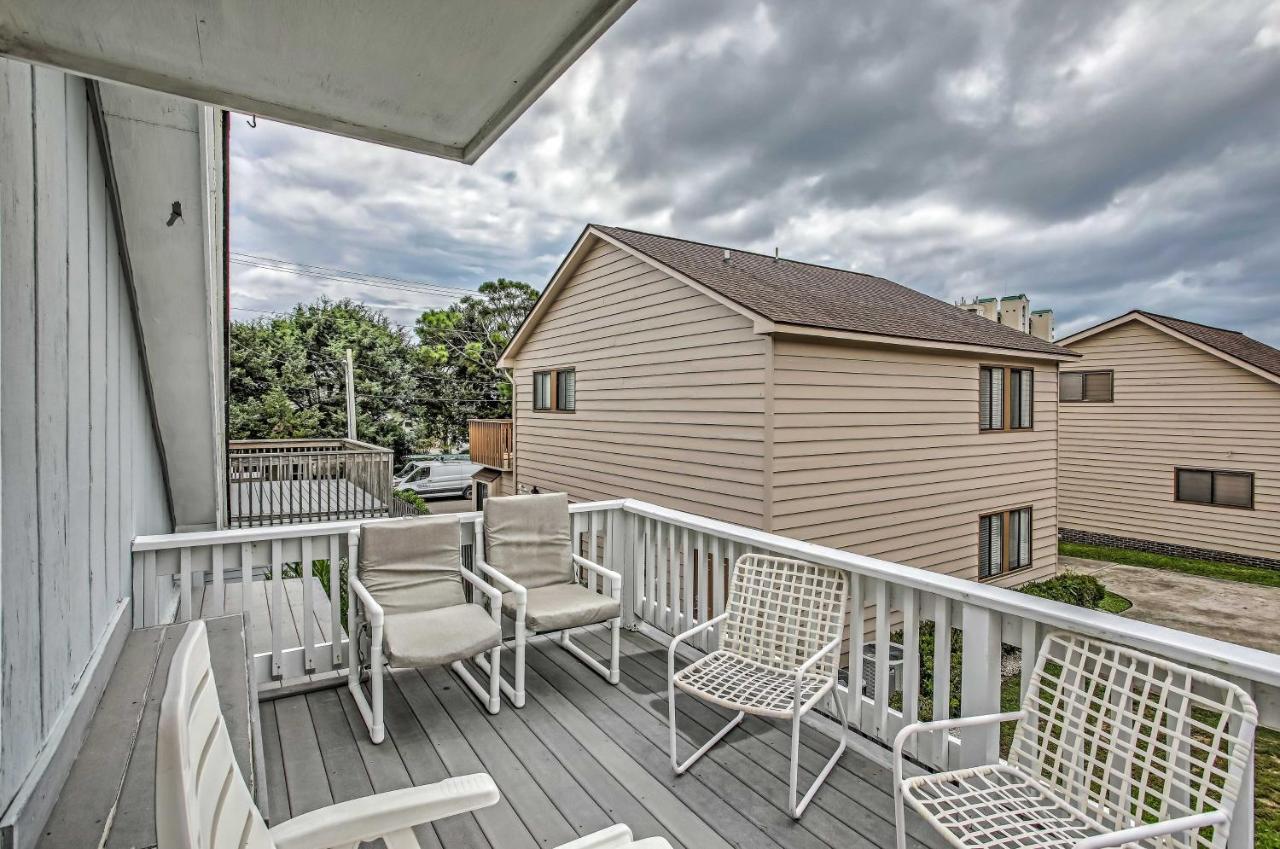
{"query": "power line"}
{"type": "Point", "coordinates": [346, 275]}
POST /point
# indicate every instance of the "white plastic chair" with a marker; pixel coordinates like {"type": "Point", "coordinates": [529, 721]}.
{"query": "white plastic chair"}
{"type": "Point", "coordinates": [202, 801]}
{"type": "Point", "coordinates": [779, 654]}
{"type": "Point", "coordinates": [523, 545]}
{"type": "Point", "coordinates": [1112, 747]}
{"type": "Point", "coordinates": [406, 584]}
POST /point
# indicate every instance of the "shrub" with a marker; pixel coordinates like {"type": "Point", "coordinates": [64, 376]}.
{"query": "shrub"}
{"type": "Point", "coordinates": [412, 498]}
{"type": "Point", "coordinates": [1070, 587]}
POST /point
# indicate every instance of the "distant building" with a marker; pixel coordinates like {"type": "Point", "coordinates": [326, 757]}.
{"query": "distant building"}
{"type": "Point", "coordinates": [1013, 311]}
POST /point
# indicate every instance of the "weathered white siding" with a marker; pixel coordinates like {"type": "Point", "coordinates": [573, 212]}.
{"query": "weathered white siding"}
{"type": "Point", "coordinates": [877, 451]}
{"type": "Point", "coordinates": [78, 458]}
{"type": "Point", "coordinates": [670, 394]}
{"type": "Point", "coordinates": [1175, 405]}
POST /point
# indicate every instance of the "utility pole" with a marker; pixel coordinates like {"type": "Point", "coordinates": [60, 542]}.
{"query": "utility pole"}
{"type": "Point", "coordinates": [351, 398]}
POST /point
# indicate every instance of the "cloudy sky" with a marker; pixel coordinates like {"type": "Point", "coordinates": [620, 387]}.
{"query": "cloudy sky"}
{"type": "Point", "coordinates": [1096, 155]}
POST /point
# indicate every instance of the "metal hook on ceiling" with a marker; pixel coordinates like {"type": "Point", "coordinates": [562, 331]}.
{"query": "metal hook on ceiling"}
{"type": "Point", "coordinates": [253, 122]}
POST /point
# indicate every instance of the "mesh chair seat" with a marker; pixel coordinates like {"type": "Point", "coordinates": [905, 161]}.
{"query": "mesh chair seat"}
{"type": "Point", "coordinates": [996, 807]}
{"type": "Point", "coordinates": [739, 684]}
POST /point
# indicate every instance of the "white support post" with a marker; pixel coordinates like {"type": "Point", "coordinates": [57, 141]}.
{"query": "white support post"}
{"type": "Point", "coordinates": [351, 397]}
{"type": "Point", "coordinates": [624, 539]}
{"type": "Point", "coordinates": [980, 684]}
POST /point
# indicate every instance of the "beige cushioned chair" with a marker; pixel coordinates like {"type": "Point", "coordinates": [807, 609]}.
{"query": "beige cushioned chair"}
{"type": "Point", "coordinates": [528, 551]}
{"type": "Point", "coordinates": [407, 588]}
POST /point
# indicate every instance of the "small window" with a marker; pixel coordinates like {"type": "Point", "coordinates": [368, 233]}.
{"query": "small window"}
{"type": "Point", "coordinates": [1079, 386]}
{"type": "Point", "coordinates": [1004, 542]}
{"type": "Point", "coordinates": [1006, 398]}
{"type": "Point", "coordinates": [566, 390]}
{"type": "Point", "coordinates": [542, 390]}
{"type": "Point", "coordinates": [1211, 486]}
{"type": "Point", "coordinates": [555, 390]}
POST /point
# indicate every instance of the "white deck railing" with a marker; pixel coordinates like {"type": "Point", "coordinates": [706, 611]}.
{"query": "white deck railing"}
{"type": "Point", "coordinates": [675, 568]}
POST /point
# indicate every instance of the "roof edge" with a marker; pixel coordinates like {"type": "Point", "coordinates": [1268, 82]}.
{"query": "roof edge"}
{"type": "Point", "coordinates": [1145, 318]}
{"type": "Point", "coordinates": [913, 342]}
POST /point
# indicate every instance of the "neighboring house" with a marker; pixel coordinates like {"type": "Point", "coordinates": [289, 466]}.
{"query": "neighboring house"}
{"type": "Point", "coordinates": [818, 403]}
{"type": "Point", "coordinates": [1170, 440]}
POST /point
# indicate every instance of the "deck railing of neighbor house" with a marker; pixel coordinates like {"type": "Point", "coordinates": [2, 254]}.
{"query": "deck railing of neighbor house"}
{"type": "Point", "coordinates": [285, 481]}
{"type": "Point", "coordinates": [675, 567]}
{"type": "Point", "coordinates": [491, 442]}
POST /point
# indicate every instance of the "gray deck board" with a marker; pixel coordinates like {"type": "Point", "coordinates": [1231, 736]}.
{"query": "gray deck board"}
{"type": "Point", "coordinates": [277, 792]}
{"type": "Point", "coordinates": [579, 756]}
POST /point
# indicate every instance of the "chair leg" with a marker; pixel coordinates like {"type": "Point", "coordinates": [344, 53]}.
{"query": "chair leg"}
{"type": "Point", "coordinates": [612, 673]}
{"type": "Point", "coordinates": [493, 665]}
{"type": "Point", "coordinates": [514, 693]}
{"type": "Point", "coordinates": [682, 768]}
{"type": "Point", "coordinates": [371, 713]}
{"type": "Point", "coordinates": [798, 809]}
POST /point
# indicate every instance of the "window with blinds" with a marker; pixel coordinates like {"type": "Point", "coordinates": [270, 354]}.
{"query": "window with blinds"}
{"type": "Point", "coordinates": [1080, 386]}
{"type": "Point", "coordinates": [556, 390]}
{"type": "Point", "coordinates": [566, 390]}
{"type": "Point", "coordinates": [1006, 398]}
{"type": "Point", "coordinates": [1004, 542]}
{"type": "Point", "coordinates": [542, 390]}
{"type": "Point", "coordinates": [1213, 486]}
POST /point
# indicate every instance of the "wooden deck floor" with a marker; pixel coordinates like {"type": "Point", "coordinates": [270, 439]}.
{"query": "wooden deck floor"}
{"type": "Point", "coordinates": [579, 756]}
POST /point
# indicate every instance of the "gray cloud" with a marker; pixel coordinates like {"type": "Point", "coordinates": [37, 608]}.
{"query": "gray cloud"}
{"type": "Point", "coordinates": [1096, 155]}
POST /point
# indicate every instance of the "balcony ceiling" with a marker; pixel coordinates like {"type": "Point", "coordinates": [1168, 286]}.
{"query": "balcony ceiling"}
{"type": "Point", "coordinates": [445, 77]}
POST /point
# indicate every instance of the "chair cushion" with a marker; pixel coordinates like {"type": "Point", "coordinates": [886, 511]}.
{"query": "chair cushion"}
{"type": "Point", "coordinates": [437, 637]}
{"type": "Point", "coordinates": [561, 606]}
{"type": "Point", "coordinates": [412, 564]}
{"type": "Point", "coordinates": [995, 807]}
{"type": "Point", "coordinates": [526, 538]}
{"type": "Point", "coordinates": [740, 683]}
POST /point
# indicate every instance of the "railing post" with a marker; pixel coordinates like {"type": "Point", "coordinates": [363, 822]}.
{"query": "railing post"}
{"type": "Point", "coordinates": [980, 684]}
{"type": "Point", "coordinates": [622, 531]}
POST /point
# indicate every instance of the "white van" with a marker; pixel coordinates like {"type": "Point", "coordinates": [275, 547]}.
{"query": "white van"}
{"type": "Point", "coordinates": [439, 478]}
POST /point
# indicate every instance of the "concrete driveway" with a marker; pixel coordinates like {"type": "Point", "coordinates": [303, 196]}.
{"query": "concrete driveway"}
{"type": "Point", "coordinates": [1246, 614]}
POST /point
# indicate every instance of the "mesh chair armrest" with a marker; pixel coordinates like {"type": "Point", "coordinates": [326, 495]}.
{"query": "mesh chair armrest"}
{"type": "Point", "coordinates": [370, 817]}
{"type": "Point", "coordinates": [1193, 822]}
{"type": "Point", "coordinates": [818, 655]}
{"type": "Point", "coordinates": [676, 641]}
{"type": "Point", "coordinates": [908, 731]}
{"type": "Point", "coordinates": [613, 837]}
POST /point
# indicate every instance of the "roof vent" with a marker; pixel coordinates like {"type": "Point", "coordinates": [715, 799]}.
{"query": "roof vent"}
{"type": "Point", "coordinates": [726, 254]}
{"type": "Point", "coordinates": [775, 253]}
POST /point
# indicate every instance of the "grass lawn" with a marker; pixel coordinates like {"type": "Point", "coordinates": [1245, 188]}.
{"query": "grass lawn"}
{"type": "Point", "coordinates": [1267, 743]}
{"type": "Point", "coordinates": [1203, 568]}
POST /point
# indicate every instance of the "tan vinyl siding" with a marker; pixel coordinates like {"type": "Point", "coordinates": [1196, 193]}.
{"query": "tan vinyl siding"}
{"type": "Point", "coordinates": [877, 451]}
{"type": "Point", "coordinates": [1175, 405]}
{"type": "Point", "coordinates": [670, 394]}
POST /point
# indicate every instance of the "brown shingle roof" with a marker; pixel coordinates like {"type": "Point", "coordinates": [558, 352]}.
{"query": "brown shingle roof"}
{"type": "Point", "coordinates": [1230, 342]}
{"type": "Point", "coordinates": [791, 292]}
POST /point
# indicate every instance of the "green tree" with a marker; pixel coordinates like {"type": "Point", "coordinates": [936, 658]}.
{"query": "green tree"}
{"type": "Point", "coordinates": [457, 358]}
{"type": "Point", "coordinates": [288, 375]}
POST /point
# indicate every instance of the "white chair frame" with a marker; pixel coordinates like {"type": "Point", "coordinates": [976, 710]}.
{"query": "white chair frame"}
{"type": "Point", "coordinates": [800, 703]}
{"type": "Point", "coordinates": [1135, 697]}
{"type": "Point", "coordinates": [515, 690]}
{"type": "Point", "coordinates": [371, 709]}
{"type": "Point", "coordinates": [202, 801]}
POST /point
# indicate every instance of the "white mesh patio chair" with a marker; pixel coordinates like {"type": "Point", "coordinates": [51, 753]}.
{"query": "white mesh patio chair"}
{"type": "Point", "coordinates": [1112, 747]}
{"type": "Point", "coordinates": [407, 609]}
{"type": "Point", "coordinates": [202, 801]}
{"type": "Point", "coordinates": [527, 551]}
{"type": "Point", "coordinates": [779, 655]}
